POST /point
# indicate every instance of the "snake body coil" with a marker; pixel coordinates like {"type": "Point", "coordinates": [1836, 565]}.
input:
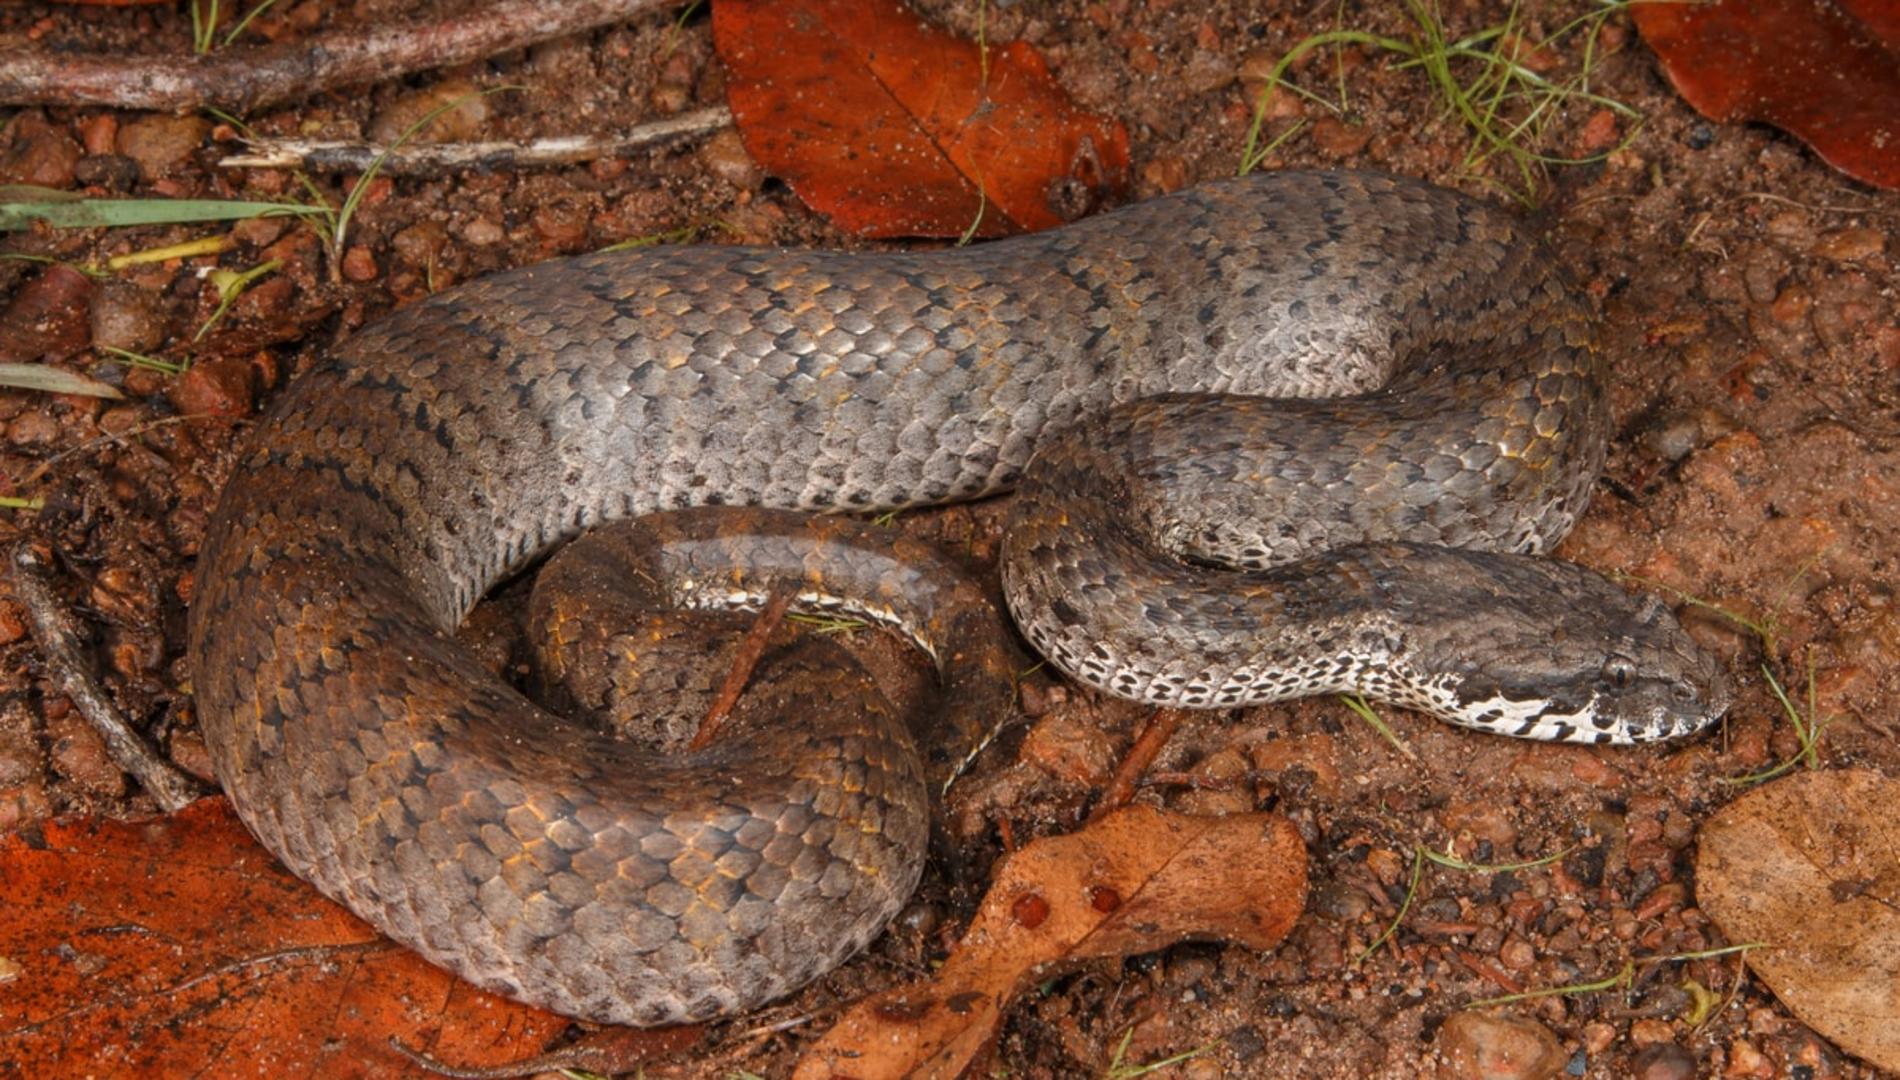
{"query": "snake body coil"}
{"type": "Point", "coordinates": [1459, 403]}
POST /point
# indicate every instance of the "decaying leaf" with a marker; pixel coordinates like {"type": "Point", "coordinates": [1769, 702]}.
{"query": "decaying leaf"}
{"type": "Point", "coordinates": [1138, 880]}
{"type": "Point", "coordinates": [1810, 865]}
{"type": "Point", "coordinates": [179, 947]}
{"type": "Point", "coordinates": [890, 127]}
{"type": "Point", "coordinates": [1828, 72]}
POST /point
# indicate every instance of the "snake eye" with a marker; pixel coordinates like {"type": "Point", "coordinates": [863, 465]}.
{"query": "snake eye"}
{"type": "Point", "coordinates": [1619, 672]}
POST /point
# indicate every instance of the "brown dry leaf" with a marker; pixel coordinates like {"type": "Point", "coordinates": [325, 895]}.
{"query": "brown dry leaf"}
{"type": "Point", "coordinates": [1828, 72]}
{"type": "Point", "coordinates": [1810, 865]}
{"type": "Point", "coordinates": [891, 127]}
{"type": "Point", "coordinates": [1138, 880]}
{"type": "Point", "coordinates": [179, 947]}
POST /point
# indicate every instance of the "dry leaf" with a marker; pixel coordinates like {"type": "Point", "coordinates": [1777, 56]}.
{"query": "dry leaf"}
{"type": "Point", "coordinates": [179, 947]}
{"type": "Point", "coordinates": [1810, 865]}
{"type": "Point", "coordinates": [1829, 73]}
{"type": "Point", "coordinates": [890, 127]}
{"type": "Point", "coordinates": [1136, 881]}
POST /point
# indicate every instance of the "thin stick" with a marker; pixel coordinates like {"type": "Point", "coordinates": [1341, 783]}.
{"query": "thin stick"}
{"type": "Point", "coordinates": [242, 79]}
{"type": "Point", "coordinates": [59, 642]}
{"type": "Point", "coordinates": [435, 159]}
{"type": "Point", "coordinates": [747, 658]}
{"type": "Point", "coordinates": [1148, 744]}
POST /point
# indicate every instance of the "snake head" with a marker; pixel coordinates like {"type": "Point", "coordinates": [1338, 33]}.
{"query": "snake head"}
{"type": "Point", "coordinates": [1550, 650]}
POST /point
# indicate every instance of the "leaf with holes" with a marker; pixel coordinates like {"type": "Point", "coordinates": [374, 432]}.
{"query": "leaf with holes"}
{"type": "Point", "coordinates": [1138, 880]}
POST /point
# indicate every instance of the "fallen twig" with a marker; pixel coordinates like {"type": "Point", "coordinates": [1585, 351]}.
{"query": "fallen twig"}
{"type": "Point", "coordinates": [751, 648]}
{"type": "Point", "coordinates": [1148, 746]}
{"type": "Point", "coordinates": [59, 642]}
{"type": "Point", "coordinates": [435, 159]}
{"type": "Point", "coordinates": [242, 79]}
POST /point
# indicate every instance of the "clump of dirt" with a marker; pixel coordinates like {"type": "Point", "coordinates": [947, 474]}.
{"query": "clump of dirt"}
{"type": "Point", "coordinates": [1754, 335]}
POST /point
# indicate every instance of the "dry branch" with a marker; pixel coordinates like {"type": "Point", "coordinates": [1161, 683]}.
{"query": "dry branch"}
{"type": "Point", "coordinates": [436, 159]}
{"type": "Point", "coordinates": [242, 79]}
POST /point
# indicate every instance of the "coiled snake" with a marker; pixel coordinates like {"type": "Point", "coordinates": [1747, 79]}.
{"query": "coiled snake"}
{"type": "Point", "coordinates": [1448, 394]}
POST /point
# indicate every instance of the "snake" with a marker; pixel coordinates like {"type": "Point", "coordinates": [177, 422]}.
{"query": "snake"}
{"type": "Point", "coordinates": [1274, 436]}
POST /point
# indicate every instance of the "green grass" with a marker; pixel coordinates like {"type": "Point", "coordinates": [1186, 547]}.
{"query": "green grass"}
{"type": "Point", "coordinates": [828, 624]}
{"type": "Point", "coordinates": [204, 25]}
{"type": "Point", "coordinates": [1480, 79]}
{"type": "Point", "coordinates": [1366, 712]}
{"type": "Point", "coordinates": [1119, 1069]}
{"type": "Point", "coordinates": [1622, 980]}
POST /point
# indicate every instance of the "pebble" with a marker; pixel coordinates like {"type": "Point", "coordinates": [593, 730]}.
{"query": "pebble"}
{"type": "Point", "coordinates": [482, 232]}
{"type": "Point", "coordinates": [421, 244]}
{"type": "Point", "coordinates": [1473, 1046]}
{"type": "Point", "coordinates": [1208, 71]}
{"type": "Point", "coordinates": [34, 151]}
{"type": "Point", "coordinates": [127, 317]}
{"type": "Point", "coordinates": [459, 124]}
{"type": "Point", "coordinates": [1484, 819]}
{"type": "Point", "coordinates": [1663, 1061]}
{"type": "Point", "coordinates": [359, 264]}
{"type": "Point", "coordinates": [78, 754]}
{"type": "Point", "coordinates": [22, 805]}
{"type": "Point", "coordinates": [1649, 1032]}
{"type": "Point", "coordinates": [218, 387]}
{"type": "Point", "coordinates": [188, 752]}
{"type": "Point", "coordinates": [160, 143]}
{"type": "Point", "coordinates": [1164, 174]}
{"type": "Point", "coordinates": [1069, 751]}
{"type": "Point", "coordinates": [1745, 1061]}
{"type": "Point", "coordinates": [1851, 245]}
{"type": "Point", "coordinates": [113, 172]}
{"type": "Point", "coordinates": [1338, 139]}
{"type": "Point", "coordinates": [12, 622]}
{"type": "Point", "coordinates": [724, 155]}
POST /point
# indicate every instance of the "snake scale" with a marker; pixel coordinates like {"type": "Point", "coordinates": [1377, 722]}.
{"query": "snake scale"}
{"type": "Point", "coordinates": [1362, 374]}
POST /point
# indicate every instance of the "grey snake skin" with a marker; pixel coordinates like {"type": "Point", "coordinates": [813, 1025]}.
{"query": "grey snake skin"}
{"type": "Point", "coordinates": [1449, 393]}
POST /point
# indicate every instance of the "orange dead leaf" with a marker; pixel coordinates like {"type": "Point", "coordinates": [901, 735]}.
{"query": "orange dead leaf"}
{"type": "Point", "coordinates": [1138, 880]}
{"type": "Point", "coordinates": [177, 946]}
{"type": "Point", "coordinates": [891, 127]}
{"type": "Point", "coordinates": [1829, 73]}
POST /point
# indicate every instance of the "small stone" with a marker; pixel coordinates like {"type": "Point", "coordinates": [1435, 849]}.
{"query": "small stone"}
{"type": "Point", "coordinates": [1338, 139]}
{"type": "Point", "coordinates": [113, 172]}
{"type": "Point", "coordinates": [1474, 1046]}
{"type": "Point", "coordinates": [359, 264]}
{"type": "Point", "coordinates": [12, 622]}
{"type": "Point", "coordinates": [421, 244]}
{"type": "Point", "coordinates": [483, 231]}
{"type": "Point", "coordinates": [1207, 71]}
{"type": "Point", "coordinates": [1517, 954]}
{"type": "Point", "coordinates": [459, 124]}
{"type": "Point", "coordinates": [259, 232]}
{"type": "Point", "coordinates": [22, 805]}
{"type": "Point", "coordinates": [724, 155]}
{"type": "Point", "coordinates": [160, 143]}
{"type": "Point", "coordinates": [1484, 819]}
{"type": "Point", "coordinates": [1792, 304]}
{"type": "Point", "coordinates": [79, 754]}
{"type": "Point", "coordinates": [189, 753]}
{"type": "Point", "coordinates": [1663, 1061]}
{"type": "Point", "coordinates": [561, 223]}
{"type": "Point", "coordinates": [127, 317]}
{"type": "Point", "coordinates": [1745, 1062]}
{"type": "Point", "coordinates": [1164, 174]}
{"type": "Point", "coordinates": [99, 133]}
{"type": "Point", "coordinates": [1852, 245]}
{"type": "Point", "coordinates": [34, 151]}
{"type": "Point", "coordinates": [1069, 751]}
{"type": "Point", "coordinates": [1256, 70]}
{"type": "Point", "coordinates": [218, 387]}
{"type": "Point", "coordinates": [1597, 135]}
{"type": "Point", "coordinates": [1597, 1037]}
{"type": "Point", "coordinates": [669, 97]}
{"type": "Point", "coordinates": [1649, 1031]}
